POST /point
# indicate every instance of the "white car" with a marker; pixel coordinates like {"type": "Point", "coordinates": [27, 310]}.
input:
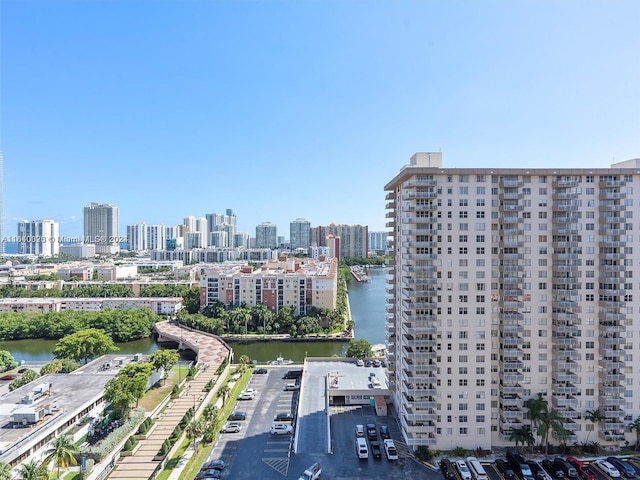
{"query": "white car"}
{"type": "Point", "coordinates": [246, 396]}
{"type": "Point", "coordinates": [607, 468]}
{"type": "Point", "coordinates": [251, 391]}
{"type": "Point", "coordinates": [231, 427]}
{"type": "Point", "coordinates": [290, 387]}
{"type": "Point", "coordinates": [281, 429]}
{"type": "Point", "coordinates": [463, 470]}
{"type": "Point", "coordinates": [359, 430]}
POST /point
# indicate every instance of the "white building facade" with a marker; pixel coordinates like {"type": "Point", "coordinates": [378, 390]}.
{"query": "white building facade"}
{"type": "Point", "coordinates": [101, 227]}
{"type": "Point", "coordinates": [39, 237]}
{"type": "Point", "coordinates": [506, 284]}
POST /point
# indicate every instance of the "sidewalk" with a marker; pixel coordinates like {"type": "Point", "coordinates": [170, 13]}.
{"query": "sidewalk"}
{"type": "Point", "coordinates": [141, 465]}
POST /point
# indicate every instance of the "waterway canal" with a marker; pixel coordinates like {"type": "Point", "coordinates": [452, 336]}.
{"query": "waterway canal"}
{"type": "Point", "coordinates": [367, 301]}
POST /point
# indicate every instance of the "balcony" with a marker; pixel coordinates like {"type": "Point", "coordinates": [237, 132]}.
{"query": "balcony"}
{"type": "Point", "coordinates": [510, 183]}
{"type": "Point", "coordinates": [611, 183]}
{"type": "Point", "coordinates": [604, 195]}
{"type": "Point", "coordinates": [566, 390]}
{"type": "Point", "coordinates": [415, 195]}
{"type": "Point", "coordinates": [610, 400]}
{"type": "Point", "coordinates": [511, 195]}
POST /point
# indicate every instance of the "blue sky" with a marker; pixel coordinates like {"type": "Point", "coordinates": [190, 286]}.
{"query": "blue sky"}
{"type": "Point", "coordinates": [286, 109]}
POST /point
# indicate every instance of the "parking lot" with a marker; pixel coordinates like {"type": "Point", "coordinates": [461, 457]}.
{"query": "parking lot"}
{"type": "Point", "coordinates": [254, 453]}
{"type": "Point", "coordinates": [494, 474]}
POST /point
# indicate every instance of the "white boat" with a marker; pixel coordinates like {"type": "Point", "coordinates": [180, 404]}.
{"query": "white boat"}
{"type": "Point", "coordinates": [280, 361]}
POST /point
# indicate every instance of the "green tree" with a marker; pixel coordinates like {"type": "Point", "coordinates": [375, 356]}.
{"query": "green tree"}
{"type": "Point", "coordinates": [27, 377]}
{"type": "Point", "coordinates": [32, 470]}
{"type": "Point", "coordinates": [84, 345]}
{"type": "Point", "coordinates": [522, 435]}
{"type": "Point", "coordinates": [552, 422]}
{"type": "Point", "coordinates": [536, 410]}
{"type": "Point", "coordinates": [7, 362]}
{"type": "Point", "coordinates": [164, 359]}
{"type": "Point", "coordinates": [223, 391]}
{"type": "Point", "coordinates": [61, 453]}
{"type": "Point", "coordinates": [134, 377]}
{"type": "Point", "coordinates": [635, 425]}
{"type": "Point", "coordinates": [194, 430]}
{"type": "Point", "coordinates": [5, 471]}
{"type": "Point", "coordinates": [359, 348]}
{"type": "Point", "coordinates": [594, 416]}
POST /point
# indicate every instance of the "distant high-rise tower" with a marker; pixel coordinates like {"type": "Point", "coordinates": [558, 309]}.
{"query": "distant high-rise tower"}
{"type": "Point", "coordinates": [39, 237]}
{"type": "Point", "coordinates": [2, 249]}
{"type": "Point", "coordinates": [267, 235]}
{"type": "Point", "coordinates": [101, 227]}
{"type": "Point", "coordinates": [299, 231]}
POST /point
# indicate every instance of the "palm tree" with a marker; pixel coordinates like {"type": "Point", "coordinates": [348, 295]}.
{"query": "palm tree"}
{"type": "Point", "coordinates": [32, 470]}
{"type": "Point", "coordinates": [5, 471]}
{"type": "Point", "coordinates": [536, 410]}
{"type": "Point", "coordinates": [61, 452]}
{"type": "Point", "coordinates": [209, 412]}
{"type": "Point", "coordinates": [552, 421]}
{"type": "Point", "coordinates": [194, 430]}
{"type": "Point", "coordinates": [522, 435]}
{"type": "Point", "coordinates": [223, 391]}
{"type": "Point", "coordinates": [594, 416]}
{"type": "Point", "coordinates": [635, 425]}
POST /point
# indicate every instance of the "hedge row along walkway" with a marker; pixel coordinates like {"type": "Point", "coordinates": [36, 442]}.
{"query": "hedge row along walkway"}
{"type": "Point", "coordinates": [211, 353]}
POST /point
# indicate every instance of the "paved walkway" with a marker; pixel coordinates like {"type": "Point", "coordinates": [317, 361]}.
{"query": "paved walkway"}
{"type": "Point", "coordinates": [211, 354]}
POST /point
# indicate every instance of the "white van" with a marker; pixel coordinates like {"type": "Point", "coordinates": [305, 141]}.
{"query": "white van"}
{"type": "Point", "coordinates": [477, 470]}
{"type": "Point", "coordinates": [361, 448]}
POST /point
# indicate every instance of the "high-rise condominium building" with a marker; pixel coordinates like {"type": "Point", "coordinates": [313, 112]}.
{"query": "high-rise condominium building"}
{"type": "Point", "coordinates": [299, 233]}
{"type": "Point", "coordinates": [101, 227]}
{"type": "Point", "coordinates": [506, 284]}
{"type": "Point", "coordinates": [38, 237]}
{"type": "Point", "coordinates": [221, 222]}
{"type": "Point", "coordinates": [379, 241]}
{"type": "Point", "coordinates": [267, 235]}
{"type": "Point", "coordinates": [354, 239]}
{"type": "Point", "coordinates": [138, 237]}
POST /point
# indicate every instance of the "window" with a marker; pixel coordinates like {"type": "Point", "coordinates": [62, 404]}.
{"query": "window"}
{"type": "Point", "coordinates": [462, 382]}
{"type": "Point", "coordinates": [480, 214]}
{"type": "Point", "coordinates": [464, 202]}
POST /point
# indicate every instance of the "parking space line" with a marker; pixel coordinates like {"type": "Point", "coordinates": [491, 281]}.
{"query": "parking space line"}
{"type": "Point", "coordinates": [276, 450]}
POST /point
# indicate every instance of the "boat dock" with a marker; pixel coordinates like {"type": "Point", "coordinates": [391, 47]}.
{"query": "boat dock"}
{"type": "Point", "coordinates": [359, 274]}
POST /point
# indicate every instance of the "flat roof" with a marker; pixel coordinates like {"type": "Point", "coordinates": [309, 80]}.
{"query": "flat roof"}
{"type": "Point", "coordinates": [65, 396]}
{"type": "Point", "coordinates": [345, 374]}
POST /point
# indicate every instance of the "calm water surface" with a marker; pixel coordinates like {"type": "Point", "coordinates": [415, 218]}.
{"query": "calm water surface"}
{"type": "Point", "coordinates": [367, 303]}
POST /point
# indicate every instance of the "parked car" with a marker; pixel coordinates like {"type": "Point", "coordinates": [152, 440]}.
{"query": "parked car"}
{"type": "Point", "coordinates": [390, 449]}
{"type": "Point", "coordinates": [552, 469]}
{"type": "Point", "coordinates": [359, 430]}
{"type": "Point", "coordinates": [607, 468]}
{"type": "Point", "coordinates": [367, 363]}
{"type": "Point", "coordinates": [463, 470]}
{"type": "Point", "coordinates": [623, 467]}
{"type": "Point", "coordinates": [538, 472]}
{"type": "Point", "coordinates": [250, 391]}
{"type": "Point", "coordinates": [209, 474]}
{"type": "Point", "coordinates": [375, 362]}
{"type": "Point", "coordinates": [447, 469]}
{"type": "Point", "coordinates": [583, 470]}
{"type": "Point", "coordinates": [237, 416]}
{"type": "Point", "coordinates": [360, 362]}
{"type": "Point", "coordinates": [246, 396]}
{"type": "Point", "coordinates": [376, 451]}
{"type": "Point", "coordinates": [10, 376]}
{"type": "Point", "coordinates": [214, 464]}
{"type": "Point", "coordinates": [568, 469]}
{"type": "Point", "coordinates": [384, 432]}
{"type": "Point", "coordinates": [290, 387]}
{"type": "Point", "coordinates": [292, 374]}
{"type": "Point", "coordinates": [505, 469]}
{"type": "Point", "coordinates": [284, 417]}
{"type": "Point", "coordinates": [281, 429]}
{"type": "Point", "coordinates": [22, 370]}
{"type": "Point", "coordinates": [231, 427]}
{"type": "Point", "coordinates": [260, 371]}
{"type": "Point", "coordinates": [372, 432]}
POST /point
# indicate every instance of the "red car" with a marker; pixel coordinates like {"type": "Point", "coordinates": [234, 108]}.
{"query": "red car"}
{"type": "Point", "coordinates": [582, 469]}
{"type": "Point", "coordinates": [10, 376]}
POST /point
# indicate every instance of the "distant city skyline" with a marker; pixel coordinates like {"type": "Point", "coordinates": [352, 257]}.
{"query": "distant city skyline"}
{"type": "Point", "coordinates": [294, 109]}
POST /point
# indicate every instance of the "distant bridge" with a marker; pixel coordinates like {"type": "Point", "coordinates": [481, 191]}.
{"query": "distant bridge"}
{"type": "Point", "coordinates": [209, 348]}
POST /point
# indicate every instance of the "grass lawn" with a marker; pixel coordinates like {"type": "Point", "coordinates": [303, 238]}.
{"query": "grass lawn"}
{"type": "Point", "coordinates": [157, 393]}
